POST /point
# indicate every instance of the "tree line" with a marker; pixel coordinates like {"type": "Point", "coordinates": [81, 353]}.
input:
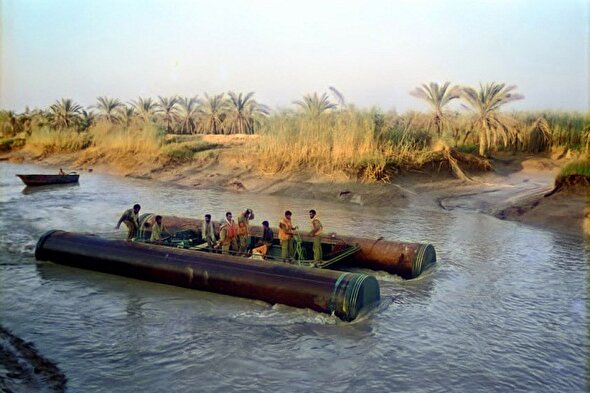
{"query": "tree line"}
{"type": "Point", "coordinates": [238, 113]}
{"type": "Point", "coordinates": [231, 113]}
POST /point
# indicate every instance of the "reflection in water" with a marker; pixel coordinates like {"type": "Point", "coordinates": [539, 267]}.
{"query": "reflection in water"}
{"type": "Point", "coordinates": [48, 188]}
{"type": "Point", "coordinates": [503, 310]}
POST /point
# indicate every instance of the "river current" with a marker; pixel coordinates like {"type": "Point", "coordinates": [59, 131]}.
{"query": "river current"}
{"type": "Point", "coordinates": [504, 309]}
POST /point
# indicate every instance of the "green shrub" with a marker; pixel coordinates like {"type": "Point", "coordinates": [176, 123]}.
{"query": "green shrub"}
{"type": "Point", "coordinates": [7, 144]}
{"type": "Point", "coordinates": [185, 151]}
{"type": "Point", "coordinates": [468, 148]}
{"type": "Point", "coordinates": [578, 167]}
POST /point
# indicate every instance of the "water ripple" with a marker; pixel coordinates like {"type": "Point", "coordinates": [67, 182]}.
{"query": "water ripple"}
{"type": "Point", "coordinates": [505, 309]}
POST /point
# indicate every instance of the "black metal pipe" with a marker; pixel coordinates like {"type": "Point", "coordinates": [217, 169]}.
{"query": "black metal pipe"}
{"type": "Point", "coordinates": [328, 291]}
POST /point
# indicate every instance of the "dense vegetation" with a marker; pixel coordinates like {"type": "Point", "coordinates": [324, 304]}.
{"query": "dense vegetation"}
{"type": "Point", "coordinates": [321, 132]}
{"type": "Point", "coordinates": [576, 168]}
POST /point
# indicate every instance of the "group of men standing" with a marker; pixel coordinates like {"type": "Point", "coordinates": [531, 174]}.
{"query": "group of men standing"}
{"type": "Point", "coordinates": [130, 218]}
{"type": "Point", "coordinates": [287, 231]}
{"type": "Point", "coordinates": [235, 237]}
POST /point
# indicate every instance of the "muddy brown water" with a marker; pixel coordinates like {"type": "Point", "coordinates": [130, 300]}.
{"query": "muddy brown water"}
{"type": "Point", "coordinates": [505, 309]}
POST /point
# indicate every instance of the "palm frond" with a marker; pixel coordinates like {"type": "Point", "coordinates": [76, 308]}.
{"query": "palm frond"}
{"type": "Point", "coordinates": [315, 105]}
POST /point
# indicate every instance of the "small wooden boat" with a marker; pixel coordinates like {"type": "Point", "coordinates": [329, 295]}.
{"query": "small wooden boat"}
{"type": "Point", "coordinates": [43, 180]}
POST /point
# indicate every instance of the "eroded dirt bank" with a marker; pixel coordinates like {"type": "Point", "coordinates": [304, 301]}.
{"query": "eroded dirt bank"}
{"type": "Point", "coordinates": [523, 189]}
{"type": "Point", "coordinates": [519, 188]}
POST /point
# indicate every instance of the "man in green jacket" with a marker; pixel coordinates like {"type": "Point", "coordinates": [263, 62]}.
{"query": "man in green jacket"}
{"type": "Point", "coordinates": [316, 233]}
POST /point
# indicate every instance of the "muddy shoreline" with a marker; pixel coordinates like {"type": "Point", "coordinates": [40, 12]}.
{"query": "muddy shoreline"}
{"type": "Point", "coordinates": [519, 187]}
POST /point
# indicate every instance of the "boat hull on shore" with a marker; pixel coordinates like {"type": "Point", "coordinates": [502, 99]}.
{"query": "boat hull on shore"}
{"type": "Point", "coordinates": [44, 180]}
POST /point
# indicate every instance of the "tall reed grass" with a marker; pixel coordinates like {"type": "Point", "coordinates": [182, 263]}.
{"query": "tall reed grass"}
{"type": "Point", "coordinates": [352, 141]}
{"type": "Point", "coordinates": [566, 129]}
{"type": "Point", "coordinates": [117, 141]}
{"type": "Point", "coordinates": [363, 143]}
{"type": "Point", "coordinates": [45, 140]}
{"type": "Point", "coordinates": [125, 148]}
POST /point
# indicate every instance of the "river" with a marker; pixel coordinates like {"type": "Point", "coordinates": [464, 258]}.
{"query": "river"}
{"type": "Point", "coordinates": [505, 308]}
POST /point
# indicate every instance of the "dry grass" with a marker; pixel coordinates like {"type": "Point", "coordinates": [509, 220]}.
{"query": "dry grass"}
{"type": "Point", "coordinates": [335, 142]}
{"type": "Point", "coordinates": [125, 148]}
{"type": "Point", "coordinates": [543, 131]}
{"type": "Point", "coordinates": [143, 140]}
{"type": "Point", "coordinates": [45, 140]}
{"type": "Point", "coordinates": [363, 144]}
{"type": "Point", "coordinates": [7, 144]}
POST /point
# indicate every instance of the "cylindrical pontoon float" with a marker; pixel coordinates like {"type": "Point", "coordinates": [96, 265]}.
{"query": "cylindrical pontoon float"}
{"type": "Point", "coordinates": [407, 260]}
{"type": "Point", "coordinates": [328, 291]}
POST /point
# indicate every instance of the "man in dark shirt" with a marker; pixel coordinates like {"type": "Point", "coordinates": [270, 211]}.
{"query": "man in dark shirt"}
{"type": "Point", "coordinates": [267, 235]}
{"type": "Point", "coordinates": [267, 238]}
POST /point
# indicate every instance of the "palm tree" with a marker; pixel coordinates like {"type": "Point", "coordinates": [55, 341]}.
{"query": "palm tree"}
{"type": "Point", "coordinates": [538, 137]}
{"type": "Point", "coordinates": [126, 114]}
{"type": "Point", "coordinates": [486, 103]}
{"type": "Point", "coordinates": [107, 109]}
{"type": "Point", "coordinates": [34, 119]}
{"type": "Point", "coordinates": [167, 110]}
{"type": "Point", "coordinates": [314, 105]}
{"type": "Point", "coordinates": [11, 126]}
{"type": "Point", "coordinates": [64, 113]}
{"type": "Point", "coordinates": [339, 97]}
{"type": "Point", "coordinates": [87, 119]}
{"type": "Point", "coordinates": [145, 108]}
{"type": "Point", "coordinates": [242, 113]}
{"type": "Point", "coordinates": [189, 110]}
{"type": "Point", "coordinates": [437, 97]}
{"type": "Point", "coordinates": [212, 113]}
{"type": "Point", "coordinates": [26, 119]}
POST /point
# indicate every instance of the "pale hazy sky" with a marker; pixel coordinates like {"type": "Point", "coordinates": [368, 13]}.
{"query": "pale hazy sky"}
{"type": "Point", "coordinates": [374, 52]}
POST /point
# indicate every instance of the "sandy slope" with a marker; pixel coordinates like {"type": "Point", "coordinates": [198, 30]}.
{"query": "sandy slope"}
{"type": "Point", "coordinates": [518, 190]}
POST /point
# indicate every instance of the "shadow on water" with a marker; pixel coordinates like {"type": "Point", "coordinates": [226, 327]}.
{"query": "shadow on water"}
{"type": "Point", "coordinates": [48, 188]}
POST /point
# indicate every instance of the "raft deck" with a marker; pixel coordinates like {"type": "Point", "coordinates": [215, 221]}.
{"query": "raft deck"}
{"type": "Point", "coordinates": [332, 251]}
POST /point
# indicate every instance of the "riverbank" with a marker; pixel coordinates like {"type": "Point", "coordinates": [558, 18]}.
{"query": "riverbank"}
{"type": "Point", "coordinates": [518, 188]}
{"type": "Point", "coordinates": [522, 188]}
